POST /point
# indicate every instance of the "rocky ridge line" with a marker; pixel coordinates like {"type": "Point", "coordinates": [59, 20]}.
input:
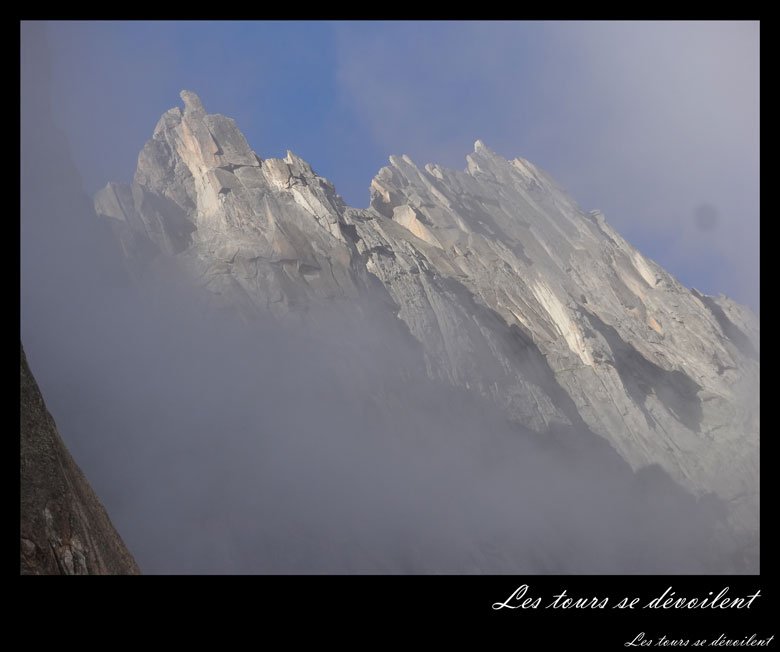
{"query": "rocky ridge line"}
{"type": "Point", "coordinates": [512, 290]}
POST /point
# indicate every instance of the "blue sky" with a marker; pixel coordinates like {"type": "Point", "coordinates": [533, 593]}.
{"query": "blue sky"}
{"type": "Point", "coordinates": [657, 124]}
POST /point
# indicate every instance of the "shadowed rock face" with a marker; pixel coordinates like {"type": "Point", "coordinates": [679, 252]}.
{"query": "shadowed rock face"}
{"type": "Point", "coordinates": [64, 528]}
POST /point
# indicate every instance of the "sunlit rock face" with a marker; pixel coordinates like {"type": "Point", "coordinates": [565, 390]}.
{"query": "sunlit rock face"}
{"type": "Point", "coordinates": [508, 289]}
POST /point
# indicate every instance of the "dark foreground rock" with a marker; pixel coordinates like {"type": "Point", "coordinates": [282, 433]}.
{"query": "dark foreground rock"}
{"type": "Point", "coordinates": [64, 529]}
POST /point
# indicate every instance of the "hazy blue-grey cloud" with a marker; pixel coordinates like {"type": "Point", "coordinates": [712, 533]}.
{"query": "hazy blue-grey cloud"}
{"type": "Point", "coordinates": [646, 121]}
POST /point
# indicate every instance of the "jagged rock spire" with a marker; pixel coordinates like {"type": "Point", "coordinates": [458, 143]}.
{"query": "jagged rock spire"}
{"type": "Point", "coordinates": [192, 103]}
{"type": "Point", "coordinates": [512, 290]}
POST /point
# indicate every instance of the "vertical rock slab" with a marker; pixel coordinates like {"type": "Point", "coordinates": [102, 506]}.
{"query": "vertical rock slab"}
{"type": "Point", "coordinates": [64, 529]}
